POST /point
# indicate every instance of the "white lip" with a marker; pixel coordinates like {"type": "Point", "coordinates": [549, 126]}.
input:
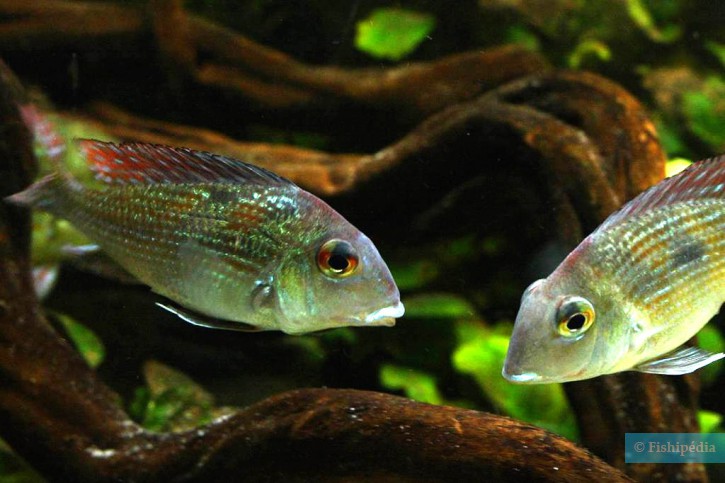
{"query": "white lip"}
{"type": "Point", "coordinates": [394, 311]}
{"type": "Point", "coordinates": [523, 377]}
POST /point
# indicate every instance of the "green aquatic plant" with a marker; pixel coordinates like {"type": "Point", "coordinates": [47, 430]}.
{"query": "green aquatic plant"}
{"type": "Point", "coordinates": [710, 339]}
{"type": "Point", "coordinates": [51, 235]}
{"type": "Point", "coordinates": [717, 49]}
{"type": "Point", "coordinates": [670, 137]}
{"type": "Point", "coordinates": [451, 293]}
{"type": "Point", "coordinates": [709, 421]}
{"type": "Point", "coordinates": [523, 36]}
{"type": "Point", "coordinates": [704, 110]}
{"type": "Point", "coordinates": [481, 353]}
{"type": "Point", "coordinates": [438, 306]}
{"type": "Point", "coordinates": [68, 131]}
{"type": "Point", "coordinates": [86, 342]}
{"type": "Point", "coordinates": [478, 352]}
{"type": "Point", "coordinates": [689, 109]}
{"type": "Point", "coordinates": [426, 267]}
{"type": "Point", "coordinates": [676, 165]}
{"type": "Point", "coordinates": [589, 48]}
{"type": "Point", "coordinates": [415, 384]}
{"type": "Point", "coordinates": [643, 17]}
{"type": "Point", "coordinates": [172, 401]}
{"type": "Point", "coordinates": [392, 33]}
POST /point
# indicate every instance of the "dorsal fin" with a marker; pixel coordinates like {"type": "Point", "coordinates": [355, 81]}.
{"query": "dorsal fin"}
{"type": "Point", "coordinates": [143, 163]}
{"type": "Point", "coordinates": [702, 180]}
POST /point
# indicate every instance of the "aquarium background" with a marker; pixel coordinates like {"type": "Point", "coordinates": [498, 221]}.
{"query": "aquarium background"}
{"type": "Point", "coordinates": [465, 227]}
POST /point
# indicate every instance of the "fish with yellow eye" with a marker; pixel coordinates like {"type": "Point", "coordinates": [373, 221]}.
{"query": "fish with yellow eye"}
{"type": "Point", "coordinates": [229, 244]}
{"type": "Point", "coordinates": [634, 291]}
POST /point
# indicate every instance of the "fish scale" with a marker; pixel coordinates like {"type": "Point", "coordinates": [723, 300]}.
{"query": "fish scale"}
{"type": "Point", "coordinates": [655, 245]}
{"type": "Point", "coordinates": [643, 269]}
{"type": "Point", "coordinates": [170, 219]}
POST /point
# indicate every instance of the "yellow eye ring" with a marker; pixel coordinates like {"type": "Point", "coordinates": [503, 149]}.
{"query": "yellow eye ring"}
{"type": "Point", "coordinates": [337, 259]}
{"type": "Point", "coordinates": [574, 316]}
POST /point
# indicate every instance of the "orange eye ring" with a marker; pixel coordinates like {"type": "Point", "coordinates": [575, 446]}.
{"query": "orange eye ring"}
{"type": "Point", "coordinates": [337, 258]}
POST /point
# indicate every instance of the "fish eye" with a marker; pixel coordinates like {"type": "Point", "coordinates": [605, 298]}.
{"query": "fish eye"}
{"type": "Point", "coordinates": [574, 316]}
{"type": "Point", "coordinates": [337, 258]}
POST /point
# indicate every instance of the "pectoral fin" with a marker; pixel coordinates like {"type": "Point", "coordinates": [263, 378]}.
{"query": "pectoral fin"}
{"type": "Point", "coordinates": [206, 321]}
{"type": "Point", "coordinates": [80, 250]}
{"type": "Point", "coordinates": [681, 361]}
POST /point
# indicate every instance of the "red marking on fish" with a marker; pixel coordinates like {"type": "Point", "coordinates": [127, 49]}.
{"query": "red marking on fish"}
{"type": "Point", "coordinates": [150, 164]}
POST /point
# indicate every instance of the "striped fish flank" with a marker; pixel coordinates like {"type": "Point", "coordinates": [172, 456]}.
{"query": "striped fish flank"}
{"type": "Point", "coordinates": [234, 245]}
{"type": "Point", "coordinates": [634, 291]}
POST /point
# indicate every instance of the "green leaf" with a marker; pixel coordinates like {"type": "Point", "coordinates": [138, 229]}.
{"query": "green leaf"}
{"type": "Point", "coordinates": [705, 112]}
{"type": "Point", "coordinates": [717, 49]}
{"type": "Point", "coordinates": [171, 401]}
{"type": "Point", "coordinates": [676, 165]}
{"type": "Point", "coordinates": [586, 49]}
{"type": "Point", "coordinates": [710, 339]}
{"type": "Point", "coordinates": [481, 353]}
{"type": "Point", "coordinates": [139, 403]}
{"type": "Point", "coordinates": [438, 306]}
{"type": "Point", "coordinates": [670, 137]}
{"type": "Point", "coordinates": [392, 33]}
{"type": "Point", "coordinates": [520, 35]}
{"type": "Point", "coordinates": [709, 421]}
{"type": "Point", "coordinates": [87, 343]}
{"type": "Point", "coordinates": [50, 235]}
{"type": "Point", "coordinates": [642, 17]}
{"type": "Point", "coordinates": [416, 384]}
{"type": "Point", "coordinates": [462, 248]}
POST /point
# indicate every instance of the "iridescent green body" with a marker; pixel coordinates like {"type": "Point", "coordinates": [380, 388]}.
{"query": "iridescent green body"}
{"type": "Point", "coordinates": [199, 244]}
{"type": "Point", "coordinates": [237, 251]}
{"type": "Point", "coordinates": [653, 275]}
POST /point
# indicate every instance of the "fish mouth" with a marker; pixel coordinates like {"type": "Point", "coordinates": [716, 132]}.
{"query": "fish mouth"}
{"type": "Point", "coordinates": [535, 378]}
{"type": "Point", "coordinates": [523, 378]}
{"type": "Point", "coordinates": [385, 316]}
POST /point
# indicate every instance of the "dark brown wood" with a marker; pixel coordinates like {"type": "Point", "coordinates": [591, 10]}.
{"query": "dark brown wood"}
{"type": "Point", "coordinates": [241, 67]}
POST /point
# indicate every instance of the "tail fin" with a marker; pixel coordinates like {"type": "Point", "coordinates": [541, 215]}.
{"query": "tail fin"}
{"type": "Point", "coordinates": [41, 194]}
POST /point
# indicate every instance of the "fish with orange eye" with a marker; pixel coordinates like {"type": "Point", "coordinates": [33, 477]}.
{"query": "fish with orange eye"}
{"type": "Point", "coordinates": [337, 258]}
{"type": "Point", "coordinates": [228, 244]}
